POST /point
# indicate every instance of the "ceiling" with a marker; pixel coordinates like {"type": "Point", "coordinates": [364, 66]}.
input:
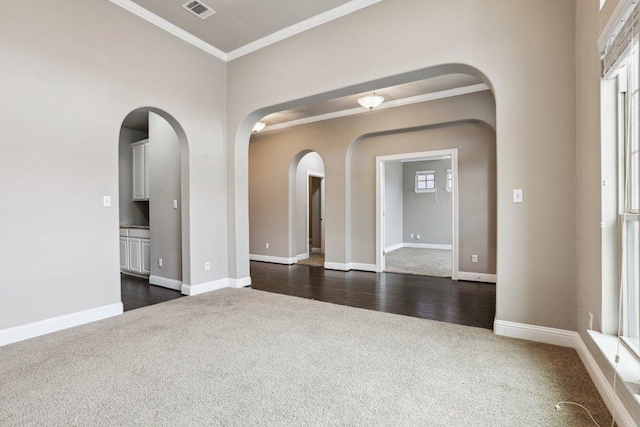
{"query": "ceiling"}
{"type": "Point", "coordinates": [237, 23]}
{"type": "Point", "coordinates": [394, 93]}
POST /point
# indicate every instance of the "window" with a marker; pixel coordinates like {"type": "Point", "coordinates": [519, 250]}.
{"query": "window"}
{"type": "Point", "coordinates": [449, 184]}
{"type": "Point", "coordinates": [425, 182]}
{"type": "Point", "coordinates": [628, 196]}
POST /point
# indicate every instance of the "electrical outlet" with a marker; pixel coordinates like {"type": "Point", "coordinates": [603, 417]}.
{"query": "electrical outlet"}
{"type": "Point", "coordinates": [266, 245]}
{"type": "Point", "coordinates": [417, 236]}
{"type": "Point", "coordinates": [159, 262]}
{"type": "Point", "coordinates": [474, 258]}
{"type": "Point", "coordinates": [106, 201]}
{"type": "Point", "coordinates": [517, 196]}
{"type": "Point", "coordinates": [590, 320]}
{"type": "Point", "coordinates": [411, 236]}
{"type": "Point", "coordinates": [175, 204]}
{"type": "Point", "coordinates": [207, 266]}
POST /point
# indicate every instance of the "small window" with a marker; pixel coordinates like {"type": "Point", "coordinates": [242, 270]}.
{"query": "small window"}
{"type": "Point", "coordinates": [425, 182]}
{"type": "Point", "coordinates": [449, 185]}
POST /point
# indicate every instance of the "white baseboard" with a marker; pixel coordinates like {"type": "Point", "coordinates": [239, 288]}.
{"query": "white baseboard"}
{"type": "Point", "coordinates": [201, 288]}
{"type": "Point", "coordinates": [240, 283]}
{"type": "Point", "coordinates": [362, 267]}
{"type": "Point", "coordinates": [273, 259]}
{"type": "Point", "coordinates": [571, 339]}
{"type": "Point", "coordinates": [42, 327]}
{"type": "Point", "coordinates": [316, 250]}
{"type": "Point", "coordinates": [337, 266]}
{"type": "Point", "coordinates": [393, 247]}
{"type": "Point", "coordinates": [477, 277]}
{"type": "Point", "coordinates": [165, 283]}
{"type": "Point", "coordinates": [300, 257]}
{"type": "Point", "coordinates": [427, 246]}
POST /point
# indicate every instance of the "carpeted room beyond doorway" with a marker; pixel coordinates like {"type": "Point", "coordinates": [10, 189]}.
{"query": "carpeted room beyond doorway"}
{"type": "Point", "coordinates": [246, 357]}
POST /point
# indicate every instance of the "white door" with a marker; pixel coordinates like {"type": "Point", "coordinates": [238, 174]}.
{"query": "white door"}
{"type": "Point", "coordinates": [146, 256]}
{"type": "Point", "coordinates": [135, 255]}
{"type": "Point", "coordinates": [124, 253]}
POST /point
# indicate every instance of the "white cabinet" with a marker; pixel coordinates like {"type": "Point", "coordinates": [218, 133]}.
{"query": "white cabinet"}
{"type": "Point", "coordinates": [140, 170]}
{"type": "Point", "coordinates": [135, 251]}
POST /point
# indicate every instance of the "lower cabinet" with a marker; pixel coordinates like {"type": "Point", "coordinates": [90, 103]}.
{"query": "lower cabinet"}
{"type": "Point", "coordinates": [135, 251]}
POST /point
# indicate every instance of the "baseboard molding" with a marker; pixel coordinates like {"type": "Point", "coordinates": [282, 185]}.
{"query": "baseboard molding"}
{"type": "Point", "coordinates": [43, 327]}
{"type": "Point", "coordinates": [571, 339]}
{"type": "Point", "coordinates": [273, 259]}
{"type": "Point", "coordinates": [131, 273]}
{"type": "Point", "coordinates": [301, 257]}
{"type": "Point", "coordinates": [240, 283]}
{"type": "Point", "coordinates": [393, 247]}
{"type": "Point", "coordinates": [201, 288]}
{"type": "Point", "coordinates": [477, 277]}
{"type": "Point", "coordinates": [337, 266]}
{"type": "Point", "coordinates": [427, 246]}
{"type": "Point", "coordinates": [362, 267]}
{"type": "Point", "coordinates": [316, 250]}
{"type": "Point", "coordinates": [165, 283]}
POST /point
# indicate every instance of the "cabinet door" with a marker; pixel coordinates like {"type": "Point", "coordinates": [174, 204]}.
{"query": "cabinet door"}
{"type": "Point", "coordinates": [146, 256]}
{"type": "Point", "coordinates": [146, 171]}
{"type": "Point", "coordinates": [124, 253]}
{"type": "Point", "coordinates": [139, 162]}
{"type": "Point", "coordinates": [135, 255]}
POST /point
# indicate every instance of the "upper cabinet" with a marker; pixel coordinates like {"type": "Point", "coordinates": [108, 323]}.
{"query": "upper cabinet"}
{"type": "Point", "coordinates": [140, 170]}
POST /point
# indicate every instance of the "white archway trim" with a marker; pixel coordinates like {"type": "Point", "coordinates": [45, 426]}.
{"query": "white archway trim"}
{"type": "Point", "coordinates": [380, 180]}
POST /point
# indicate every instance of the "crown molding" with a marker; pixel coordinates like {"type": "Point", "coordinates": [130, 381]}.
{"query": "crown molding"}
{"type": "Point", "coordinates": [283, 34]}
{"type": "Point", "coordinates": [316, 21]}
{"type": "Point", "coordinates": [143, 13]}
{"type": "Point", "coordinates": [385, 105]}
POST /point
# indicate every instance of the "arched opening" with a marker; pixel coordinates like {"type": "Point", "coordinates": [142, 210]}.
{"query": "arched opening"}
{"type": "Point", "coordinates": [153, 204]}
{"type": "Point", "coordinates": [350, 219]}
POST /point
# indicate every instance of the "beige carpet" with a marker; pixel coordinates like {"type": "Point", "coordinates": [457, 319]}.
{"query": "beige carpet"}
{"type": "Point", "coordinates": [250, 358]}
{"type": "Point", "coordinates": [424, 262]}
{"type": "Point", "coordinates": [314, 260]}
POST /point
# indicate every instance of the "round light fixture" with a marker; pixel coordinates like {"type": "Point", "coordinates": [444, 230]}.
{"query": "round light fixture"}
{"type": "Point", "coordinates": [258, 127]}
{"type": "Point", "coordinates": [371, 101]}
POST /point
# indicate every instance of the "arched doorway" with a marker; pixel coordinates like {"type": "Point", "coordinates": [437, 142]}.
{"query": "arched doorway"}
{"type": "Point", "coordinates": [153, 233]}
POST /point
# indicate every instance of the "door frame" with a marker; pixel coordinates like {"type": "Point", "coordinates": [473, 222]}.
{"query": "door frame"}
{"type": "Point", "coordinates": [380, 199]}
{"type": "Point", "coordinates": [313, 174]}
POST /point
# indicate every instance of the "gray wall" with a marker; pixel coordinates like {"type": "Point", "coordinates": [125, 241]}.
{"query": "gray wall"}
{"type": "Point", "coordinates": [393, 204]}
{"type": "Point", "coordinates": [525, 50]}
{"type": "Point", "coordinates": [427, 214]}
{"type": "Point", "coordinates": [131, 213]}
{"type": "Point", "coordinates": [72, 81]}
{"type": "Point", "coordinates": [311, 162]}
{"type": "Point", "coordinates": [164, 177]}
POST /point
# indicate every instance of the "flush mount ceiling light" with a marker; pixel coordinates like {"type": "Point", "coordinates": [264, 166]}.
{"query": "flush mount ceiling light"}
{"type": "Point", "coordinates": [371, 101]}
{"type": "Point", "coordinates": [258, 127]}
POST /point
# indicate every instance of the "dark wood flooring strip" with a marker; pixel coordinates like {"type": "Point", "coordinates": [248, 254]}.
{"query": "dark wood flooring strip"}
{"type": "Point", "coordinates": [463, 303]}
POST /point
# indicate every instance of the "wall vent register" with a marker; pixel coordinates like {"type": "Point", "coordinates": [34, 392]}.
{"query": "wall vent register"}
{"type": "Point", "coordinates": [199, 9]}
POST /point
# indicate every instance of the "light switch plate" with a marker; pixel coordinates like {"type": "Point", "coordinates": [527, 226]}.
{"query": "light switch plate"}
{"type": "Point", "coordinates": [517, 196]}
{"type": "Point", "coordinates": [175, 204]}
{"type": "Point", "coordinates": [106, 201]}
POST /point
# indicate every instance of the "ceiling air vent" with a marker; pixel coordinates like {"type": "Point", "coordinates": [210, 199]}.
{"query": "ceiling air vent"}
{"type": "Point", "coordinates": [199, 9]}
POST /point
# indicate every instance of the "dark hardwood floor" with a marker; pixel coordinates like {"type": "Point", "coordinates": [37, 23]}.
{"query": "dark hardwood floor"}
{"type": "Point", "coordinates": [137, 292]}
{"type": "Point", "coordinates": [464, 303]}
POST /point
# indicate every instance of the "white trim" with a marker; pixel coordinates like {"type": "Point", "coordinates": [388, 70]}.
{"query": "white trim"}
{"type": "Point", "coordinates": [380, 198]}
{"type": "Point", "coordinates": [321, 176]}
{"type": "Point", "coordinates": [283, 34]}
{"type": "Point", "coordinates": [240, 283]}
{"type": "Point", "coordinates": [477, 277]}
{"type": "Point", "coordinates": [394, 247]}
{"type": "Point", "coordinates": [134, 274]}
{"type": "Point", "coordinates": [201, 288]}
{"type": "Point", "coordinates": [362, 267]}
{"type": "Point", "coordinates": [148, 16]}
{"type": "Point", "coordinates": [481, 87]}
{"type": "Point", "coordinates": [571, 339]}
{"type": "Point", "coordinates": [427, 246]}
{"type": "Point", "coordinates": [273, 259]}
{"type": "Point", "coordinates": [43, 327]}
{"type": "Point", "coordinates": [301, 257]}
{"type": "Point", "coordinates": [619, 15]}
{"type": "Point", "coordinates": [165, 283]}
{"type": "Point", "coordinates": [316, 250]}
{"type": "Point", "coordinates": [337, 266]}
{"type": "Point", "coordinates": [300, 27]}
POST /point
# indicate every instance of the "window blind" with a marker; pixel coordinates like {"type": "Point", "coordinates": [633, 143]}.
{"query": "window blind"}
{"type": "Point", "coordinates": [620, 45]}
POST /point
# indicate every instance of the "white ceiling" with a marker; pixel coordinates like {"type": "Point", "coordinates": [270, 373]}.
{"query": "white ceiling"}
{"type": "Point", "coordinates": [394, 93]}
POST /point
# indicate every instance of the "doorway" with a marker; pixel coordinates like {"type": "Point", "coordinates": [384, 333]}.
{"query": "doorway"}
{"type": "Point", "coordinates": [315, 220]}
{"type": "Point", "coordinates": [417, 213]}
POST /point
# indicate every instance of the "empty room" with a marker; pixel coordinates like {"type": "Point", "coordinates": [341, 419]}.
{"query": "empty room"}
{"type": "Point", "coordinates": [330, 212]}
